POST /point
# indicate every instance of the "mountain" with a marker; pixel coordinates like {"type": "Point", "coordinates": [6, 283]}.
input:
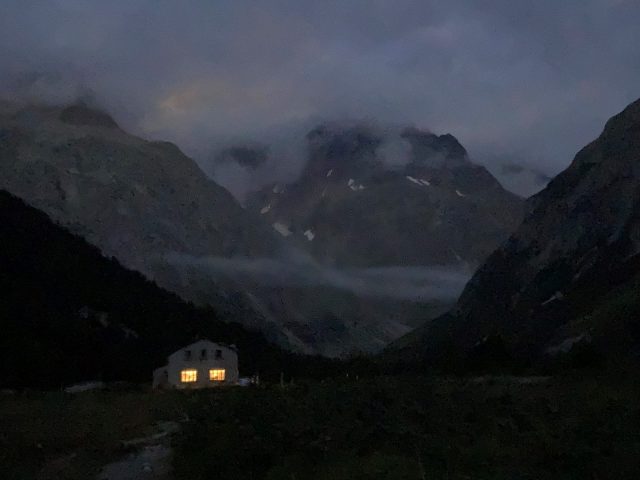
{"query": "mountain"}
{"type": "Point", "coordinates": [150, 206]}
{"type": "Point", "coordinates": [136, 200]}
{"type": "Point", "coordinates": [363, 200]}
{"type": "Point", "coordinates": [70, 314]}
{"type": "Point", "coordinates": [568, 278]}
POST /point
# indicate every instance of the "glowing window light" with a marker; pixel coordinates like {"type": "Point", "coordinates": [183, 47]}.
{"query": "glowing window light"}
{"type": "Point", "coordinates": [188, 376]}
{"type": "Point", "coordinates": [217, 375]}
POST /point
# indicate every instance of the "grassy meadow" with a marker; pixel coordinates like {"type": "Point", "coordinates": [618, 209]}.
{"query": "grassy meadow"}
{"type": "Point", "coordinates": [562, 427]}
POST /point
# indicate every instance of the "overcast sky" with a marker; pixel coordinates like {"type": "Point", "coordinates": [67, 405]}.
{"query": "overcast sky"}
{"type": "Point", "coordinates": [531, 81]}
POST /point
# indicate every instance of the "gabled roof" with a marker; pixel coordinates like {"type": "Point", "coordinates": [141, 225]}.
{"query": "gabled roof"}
{"type": "Point", "coordinates": [204, 343]}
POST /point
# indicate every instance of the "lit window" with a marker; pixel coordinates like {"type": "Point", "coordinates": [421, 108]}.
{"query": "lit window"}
{"type": "Point", "coordinates": [188, 376]}
{"type": "Point", "coordinates": [216, 375]}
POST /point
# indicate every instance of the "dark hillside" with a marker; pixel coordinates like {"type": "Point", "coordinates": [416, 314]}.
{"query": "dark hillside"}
{"type": "Point", "coordinates": [67, 313]}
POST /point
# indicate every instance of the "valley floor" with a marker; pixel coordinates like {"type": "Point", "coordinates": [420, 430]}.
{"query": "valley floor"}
{"type": "Point", "coordinates": [561, 427]}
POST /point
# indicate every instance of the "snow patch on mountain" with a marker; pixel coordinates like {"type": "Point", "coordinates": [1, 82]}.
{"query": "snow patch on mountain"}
{"type": "Point", "coordinates": [282, 229]}
{"type": "Point", "coordinates": [414, 180]}
{"type": "Point", "coordinates": [553, 298]}
{"type": "Point", "coordinates": [421, 182]}
{"type": "Point", "coordinates": [353, 186]}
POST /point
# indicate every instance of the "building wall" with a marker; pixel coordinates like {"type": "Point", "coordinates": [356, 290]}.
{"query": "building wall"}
{"type": "Point", "coordinates": [203, 358]}
{"type": "Point", "coordinates": [160, 378]}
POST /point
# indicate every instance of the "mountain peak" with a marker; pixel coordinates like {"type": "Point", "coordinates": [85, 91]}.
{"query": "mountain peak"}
{"type": "Point", "coordinates": [347, 148]}
{"type": "Point", "coordinates": [83, 115]}
{"type": "Point", "coordinates": [428, 147]}
{"type": "Point", "coordinates": [630, 114]}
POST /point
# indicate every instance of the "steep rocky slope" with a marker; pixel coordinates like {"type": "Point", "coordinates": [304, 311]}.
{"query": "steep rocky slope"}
{"type": "Point", "coordinates": [570, 273]}
{"type": "Point", "coordinates": [136, 200]}
{"type": "Point", "coordinates": [129, 195]}
{"type": "Point", "coordinates": [352, 206]}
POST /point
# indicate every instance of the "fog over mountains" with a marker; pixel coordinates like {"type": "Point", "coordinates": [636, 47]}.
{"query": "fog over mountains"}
{"type": "Point", "coordinates": [419, 284]}
{"type": "Point", "coordinates": [151, 207]}
{"type": "Point", "coordinates": [319, 239]}
{"type": "Point", "coordinates": [370, 139]}
{"type": "Point", "coordinates": [508, 79]}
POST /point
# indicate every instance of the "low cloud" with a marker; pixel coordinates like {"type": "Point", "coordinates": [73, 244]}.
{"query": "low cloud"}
{"type": "Point", "coordinates": [420, 284]}
{"type": "Point", "coordinates": [288, 153]}
{"type": "Point", "coordinates": [530, 80]}
{"type": "Point", "coordinates": [395, 151]}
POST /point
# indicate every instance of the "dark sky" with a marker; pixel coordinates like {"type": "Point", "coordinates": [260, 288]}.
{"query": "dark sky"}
{"type": "Point", "coordinates": [530, 81]}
